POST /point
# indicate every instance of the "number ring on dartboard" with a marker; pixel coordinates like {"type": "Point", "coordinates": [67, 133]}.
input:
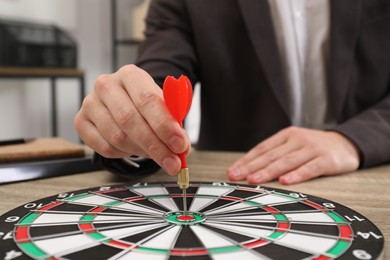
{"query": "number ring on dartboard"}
{"type": "Point", "coordinates": [224, 221]}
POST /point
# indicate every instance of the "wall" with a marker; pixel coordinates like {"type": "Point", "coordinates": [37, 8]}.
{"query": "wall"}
{"type": "Point", "coordinates": [58, 11]}
{"type": "Point", "coordinates": [25, 104]}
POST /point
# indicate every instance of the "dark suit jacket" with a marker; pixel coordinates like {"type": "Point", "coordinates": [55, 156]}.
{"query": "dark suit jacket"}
{"type": "Point", "coordinates": [230, 47]}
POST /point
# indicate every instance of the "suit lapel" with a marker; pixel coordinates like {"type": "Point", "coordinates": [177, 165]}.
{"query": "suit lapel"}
{"type": "Point", "coordinates": [344, 25]}
{"type": "Point", "coordinates": [258, 20]}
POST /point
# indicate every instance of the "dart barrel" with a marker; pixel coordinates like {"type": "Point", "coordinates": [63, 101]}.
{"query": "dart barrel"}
{"type": "Point", "coordinates": [184, 178]}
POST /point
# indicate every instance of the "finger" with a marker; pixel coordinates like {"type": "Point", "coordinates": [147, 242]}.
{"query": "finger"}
{"type": "Point", "coordinates": [134, 125]}
{"type": "Point", "coordinates": [241, 172]}
{"type": "Point", "coordinates": [308, 171]}
{"type": "Point", "coordinates": [189, 147]}
{"type": "Point", "coordinates": [282, 166]}
{"type": "Point", "coordinates": [148, 141]}
{"type": "Point", "coordinates": [148, 100]}
{"type": "Point", "coordinates": [247, 164]}
{"type": "Point", "coordinates": [109, 130]}
{"type": "Point", "coordinates": [274, 141]}
{"type": "Point", "coordinates": [91, 137]}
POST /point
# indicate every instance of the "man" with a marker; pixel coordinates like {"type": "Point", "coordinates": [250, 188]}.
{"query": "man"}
{"type": "Point", "coordinates": [335, 78]}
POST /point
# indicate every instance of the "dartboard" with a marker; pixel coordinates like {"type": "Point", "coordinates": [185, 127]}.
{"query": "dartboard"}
{"type": "Point", "coordinates": [224, 221]}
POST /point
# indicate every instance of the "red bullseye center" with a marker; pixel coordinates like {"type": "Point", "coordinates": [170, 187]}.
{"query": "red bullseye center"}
{"type": "Point", "coordinates": [185, 218]}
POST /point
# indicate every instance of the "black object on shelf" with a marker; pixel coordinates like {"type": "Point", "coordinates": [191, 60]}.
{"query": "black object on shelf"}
{"type": "Point", "coordinates": [25, 44]}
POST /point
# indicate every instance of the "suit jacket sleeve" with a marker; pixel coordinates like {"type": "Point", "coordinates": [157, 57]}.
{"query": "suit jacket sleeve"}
{"type": "Point", "coordinates": [370, 131]}
{"type": "Point", "coordinates": [168, 49]}
{"type": "Point", "coordinates": [360, 75]}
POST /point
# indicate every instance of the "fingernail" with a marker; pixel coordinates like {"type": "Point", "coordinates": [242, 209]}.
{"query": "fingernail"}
{"type": "Point", "coordinates": [288, 179]}
{"type": "Point", "coordinates": [169, 164]}
{"type": "Point", "coordinates": [257, 178]}
{"type": "Point", "coordinates": [177, 144]}
{"type": "Point", "coordinates": [235, 172]}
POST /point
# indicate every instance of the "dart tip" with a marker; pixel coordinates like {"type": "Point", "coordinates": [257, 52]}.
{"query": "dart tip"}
{"type": "Point", "coordinates": [185, 211]}
{"type": "Point", "coordinates": [184, 183]}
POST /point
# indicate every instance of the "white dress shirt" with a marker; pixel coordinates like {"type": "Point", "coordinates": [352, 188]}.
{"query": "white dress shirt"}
{"type": "Point", "coordinates": [302, 32]}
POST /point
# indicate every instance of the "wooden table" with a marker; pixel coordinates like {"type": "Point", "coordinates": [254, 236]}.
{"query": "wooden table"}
{"type": "Point", "coordinates": [365, 191]}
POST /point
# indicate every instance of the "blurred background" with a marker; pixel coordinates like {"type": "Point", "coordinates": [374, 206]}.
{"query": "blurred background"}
{"type": "Point", "coordinates": [106, 34]}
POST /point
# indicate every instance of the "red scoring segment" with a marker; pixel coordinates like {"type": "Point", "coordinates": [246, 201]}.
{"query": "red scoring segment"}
{"type": "Point", "coordinates": [22, 234]}
{"type": "Point", "coordinates": [185, 218]}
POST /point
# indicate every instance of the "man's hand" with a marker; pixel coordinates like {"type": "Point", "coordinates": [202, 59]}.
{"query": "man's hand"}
{"type": "Point", "coordinates": [126, 115]}
{"type": "Point", "coordinates": [295, 155]}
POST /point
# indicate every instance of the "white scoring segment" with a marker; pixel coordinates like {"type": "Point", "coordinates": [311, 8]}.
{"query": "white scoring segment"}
{"type": "Point", "coordinates": [56, 219]}
{"type": "Point", "coordinates": [200, 202]}
{"type": "Point", "coordinates": [142, 255]}
{"type": "Point", "coordinates": [306, 243]}
{"type": "Point", "coordinates": [270, 199]}
{"type": "Point", "coordinates": [248, 218]}
{"type": "Point", "coordinates": [65, 245]}
{"type": "Point", "coordinates": [164, 240]}
{"type": "Point", "coordinates": [234, 207]}
{"type": "Point", "coordinates": [116, 219]}
{"type": "Point", "coordinates": [210, 239]}
{"type": "Point", "coordinates": [150, 191]}
{"type": "Point", "coordinates": [166, 202]}
{"type": "Point", "coordinates": [248, 231]}
{"type": "Point", "coordinates": [309, 217]}
{"type": "Point", "coordinates": [135, 208]}
{"type": "Point", "coordinates": [94, 200]}
{"type": "Point", "coordinates": [267, 199]}
{"type": "Point", "coordinates": [241, 254]}
{"type": "Point", "coordinates": [214, 190]}
{"type": "Point", "coordinates": [130, 231]}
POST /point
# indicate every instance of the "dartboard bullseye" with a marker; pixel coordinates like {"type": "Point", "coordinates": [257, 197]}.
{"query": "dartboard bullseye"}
{"type": "Point", "coordinates": [224, 221]}
{"type": "Point", "coordinates": [179, 218]}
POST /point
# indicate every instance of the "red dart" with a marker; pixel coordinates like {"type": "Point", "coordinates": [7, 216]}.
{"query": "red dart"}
{"type": "Point", "coordinates": [178, 98]}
